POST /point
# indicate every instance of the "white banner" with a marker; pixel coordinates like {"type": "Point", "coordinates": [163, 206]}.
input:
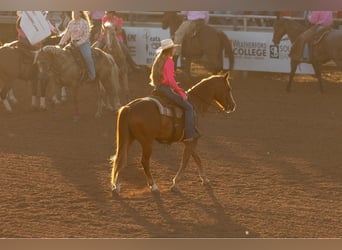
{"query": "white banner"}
{"type": "Point", "coordinates": [35, 26]}
{"type": "Point", "coordinates": [254, 51]}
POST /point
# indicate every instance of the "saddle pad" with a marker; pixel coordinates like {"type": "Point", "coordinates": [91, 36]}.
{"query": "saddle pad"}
{"type": "Point", "coordinates": [175, 111]}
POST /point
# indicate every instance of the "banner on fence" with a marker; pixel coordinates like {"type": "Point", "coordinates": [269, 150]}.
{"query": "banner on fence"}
{"type": "Point", "coordinates": [254, 51]}
{"type": "Point", "coordinates": [35, 26]}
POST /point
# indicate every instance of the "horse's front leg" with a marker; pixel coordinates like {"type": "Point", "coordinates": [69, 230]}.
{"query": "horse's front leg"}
{"type": "Point", "coordinates": [3, 98]}
{"type": "Point", "coordinates": [101, 100]}
{"type": "Point", "coordinates": [294, 65]}
{"type": "Point", "coordinates": [201, 173]}
{"type": "Point", "coordinates": [43, 87]}
{"type": "Point", "coordinates": [318, 74]}
{"type": "Point", "coordinates": [145, 161]}
{"type": "Point", "coordinates": [187, 152]}
{"type": "Point", "coordinates": [75, 89]}
{"type": "Point", "coordinates": [34, 93]}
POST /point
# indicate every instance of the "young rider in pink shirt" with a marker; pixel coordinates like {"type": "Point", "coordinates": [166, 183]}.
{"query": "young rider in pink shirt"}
{"type": "Point", "coordinates": [162, 78]}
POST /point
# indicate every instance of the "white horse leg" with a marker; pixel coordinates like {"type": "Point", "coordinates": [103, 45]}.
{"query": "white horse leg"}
{"type": "Point", "coordinates": [42, 103]}
{"type": "Point", "coordinates": [34, 102]}
{"type": "Point", "coordinates": [55, 99]}
{"type": "Point", "coordinates": [12, 97]}
{"type": "Point", "coordinates": [7, 105]}
{"type": "Point", "coordinates": [63, 94]}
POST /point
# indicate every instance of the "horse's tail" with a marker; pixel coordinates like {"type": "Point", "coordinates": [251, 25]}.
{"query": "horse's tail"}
{"type": "Point", "coordinates": [228, 49]}
{"type": "Point", "coordinates": [123, 140]}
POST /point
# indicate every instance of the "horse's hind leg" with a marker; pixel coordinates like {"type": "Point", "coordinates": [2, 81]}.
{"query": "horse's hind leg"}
{"type": "Point", "coordinates": [145, 161]}
{"type": "Point", "coordinates": [119, 161]}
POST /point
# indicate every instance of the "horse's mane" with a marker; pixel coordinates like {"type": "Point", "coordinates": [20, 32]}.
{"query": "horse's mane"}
{"type": "Point", "coordinates": [53, 49]}
{"type": "Point", "coordinates": [56, 52]}
{"type": "Point", "coordinates": [199, 95]}
{"type": "Point", "coordinates": [296, 24]}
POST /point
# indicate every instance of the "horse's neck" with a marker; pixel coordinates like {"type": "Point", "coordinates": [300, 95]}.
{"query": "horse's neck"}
{"type": "Point", "coordinates": [199, 101]}
{"type": "Point", "coordinates": [294, 30]}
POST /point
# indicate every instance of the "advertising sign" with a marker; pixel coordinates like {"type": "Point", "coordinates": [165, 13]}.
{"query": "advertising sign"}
{"type": "Point", "coordinates": [253, 51]}
{"type": "Point", "coordinates": [35, 26]}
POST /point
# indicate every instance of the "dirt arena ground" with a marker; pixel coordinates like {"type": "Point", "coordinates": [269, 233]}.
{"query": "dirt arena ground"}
{"type": "Point", "coordinates": [274, 166]}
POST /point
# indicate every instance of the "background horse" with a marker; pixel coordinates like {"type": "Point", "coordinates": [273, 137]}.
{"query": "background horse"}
{"type": "Point", "coordinates": [205, 47]}
{"type": "Point", "coordinates": [113, 47]}
{"type": "Point", "coordinates": [15, 63]}
{"type": "Point", "coordinates": [329, 47]}
{"type": "Point", "coordinates": [26, 61]}
{"type": "Point", "coordinates": [141, 120]}
{"type": "Point", "coordinates": [62, 67]}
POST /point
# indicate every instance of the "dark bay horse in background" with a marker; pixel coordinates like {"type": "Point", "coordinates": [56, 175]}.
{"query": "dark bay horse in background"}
{"type": "Point", "coordinates": [144, 121]}
{"type": "Point", "coordinates": [327, 47]}
{"type": "Point", "coordinates": [206, 46]}
{"type": "Point", "coordinates": [60, 66]}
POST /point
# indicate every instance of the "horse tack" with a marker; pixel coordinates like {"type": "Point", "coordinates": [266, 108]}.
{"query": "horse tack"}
{"type": "Point", "coordinates": [167, 108]}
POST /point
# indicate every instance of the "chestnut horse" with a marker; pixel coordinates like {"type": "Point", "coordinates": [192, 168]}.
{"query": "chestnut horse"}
{"type": "Point", "coordinates": [60, 66]}
{"type": "Point", "coordinates": [327, 47]}
{"type": "Point", "coordinates": [142, 120]}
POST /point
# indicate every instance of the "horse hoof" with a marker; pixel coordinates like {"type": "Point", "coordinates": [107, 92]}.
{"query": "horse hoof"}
{"type": "Point", "coordinates": [34, 108]}
{"type": "Point", "coordinates": [154, 188]}
{"type": "Point", "coordinates": [115, 194]}
{"type": "Point", "coordinates": [205, 182]}
{"type": "Point", "coordinates": [175, 189]}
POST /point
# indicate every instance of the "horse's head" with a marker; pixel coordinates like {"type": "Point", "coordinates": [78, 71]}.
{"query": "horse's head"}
{"type": "Point", "coordinates": [109, 34]}
{"type": "Point", "coordinates": [216, 89]}
{"type": "Point", "coordinates": [44, 60]}
{"type": "Point", "coordinates": [279, 30]}
{"type": "Point", "coordinates": [223, 93]}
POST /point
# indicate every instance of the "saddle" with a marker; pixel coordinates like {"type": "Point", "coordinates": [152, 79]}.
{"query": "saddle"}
{"type": "Point", "coordinates": [167, 108]}
{"type": "Point", "coordinates": [199, 24]}
{"type": "Point", "coordinates": [76, 53]}
{"type": "Point", "coordinates": [320, 34]}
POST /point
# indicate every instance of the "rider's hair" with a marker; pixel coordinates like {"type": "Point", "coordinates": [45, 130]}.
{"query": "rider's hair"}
{"type": "Point", "coordinates": [156, 75]}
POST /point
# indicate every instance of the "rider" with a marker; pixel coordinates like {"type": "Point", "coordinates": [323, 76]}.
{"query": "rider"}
{"type": "Point", "coordinates": [319, 20]}
{"type": "Point", "coordinates": [193, 19]}
{"type": "Point", "coordinates": [96, 17]}
{"type": "Point", "coordinates": [78, 30]}
{"type": "Point", "coordinates": [162, 78]}
{"type": "Point", "coordinates": [117, 22]}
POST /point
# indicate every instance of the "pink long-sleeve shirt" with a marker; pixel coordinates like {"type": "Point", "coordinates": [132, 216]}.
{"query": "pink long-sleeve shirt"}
{"type": "Point", "coordinates": [321, 17]}
{"type": "Point", "coordinates": [116, 22]}
{"type": "Point", "coordinates": [169, 77]}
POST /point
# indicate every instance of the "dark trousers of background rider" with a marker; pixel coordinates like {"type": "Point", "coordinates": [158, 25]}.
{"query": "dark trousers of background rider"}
{"type": "Point", "coordinates": [297, 48]}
